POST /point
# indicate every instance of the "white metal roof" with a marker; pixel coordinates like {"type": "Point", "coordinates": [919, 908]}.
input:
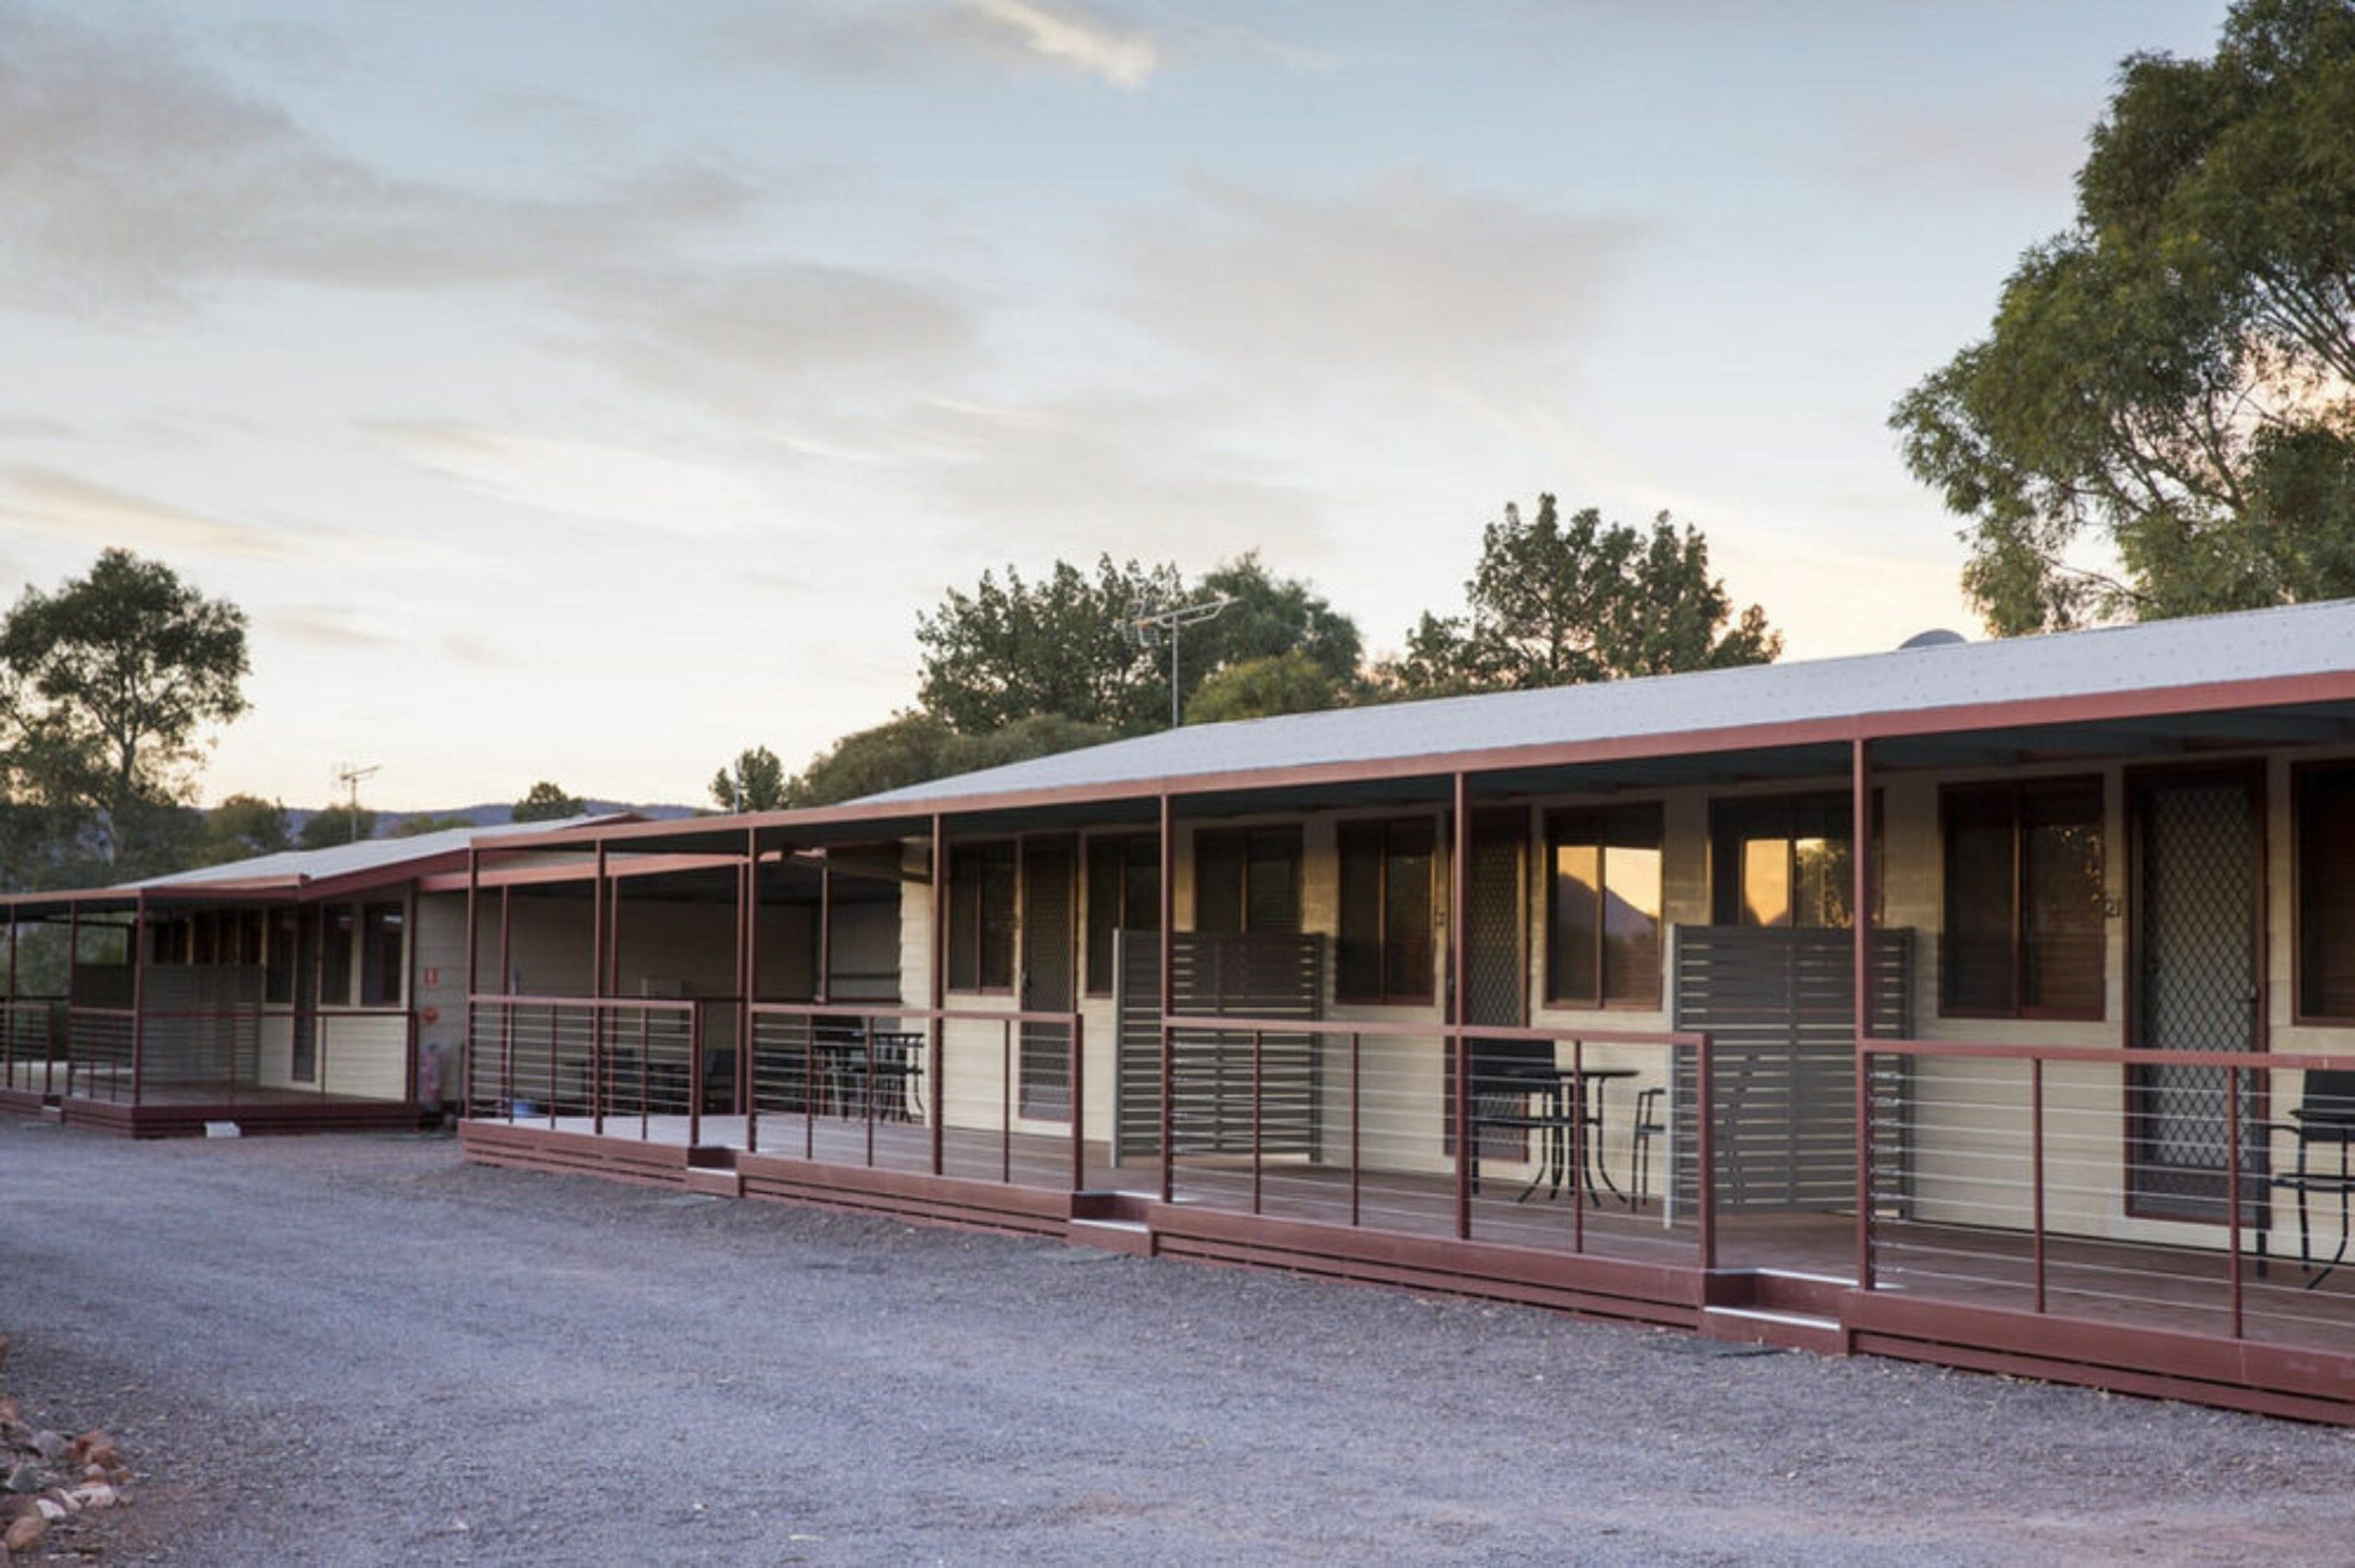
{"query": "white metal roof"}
{"type": "Point", "coordinates": [2255, 645]}
{"type": "Point", "coordinates": [295, 866]}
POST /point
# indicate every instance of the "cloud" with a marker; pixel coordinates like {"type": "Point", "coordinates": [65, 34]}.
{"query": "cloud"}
{"type": "Point", "coordinates": [1074, 38]}
{"type": "Point", "coordinates": [729, 335]}
{"type": "Point", "coordinates": [131, 179]}
{"type": "Point", "coordinates": [325, 625]}
{"type": "Point", "coordinates": [1405, 281]}
{"type": "Point", "coordinates": [67, 505]}
{"type": "Point", "coordinates": [579, 479]}
{"type": "Point", "coordinates": [1080, 476]}
{"type": "Point", "coordinates": [868, 39]}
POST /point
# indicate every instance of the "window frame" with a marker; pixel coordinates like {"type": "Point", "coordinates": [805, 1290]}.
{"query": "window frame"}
{"type": "Point", "coordinates": [1382, 829]}
{"type": "Point", "coordinates": [337, 957]}
{"type": "Point", "coordinates": [2018, 793]}
{"type": "Point", "coordinates": [1294, 844]}
{"type": "Point", "coordinates": [1603, 820]}
{"type": "Point", "coordinates": [968, 901]}
{"type": "Point", "coordinates": [377, 990]}
{"type": "Point", "coordinates": [2301, 777]}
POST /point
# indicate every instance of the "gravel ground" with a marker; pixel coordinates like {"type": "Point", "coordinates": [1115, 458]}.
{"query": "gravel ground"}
{"type": "Point", "coordinates": [362, 1350]}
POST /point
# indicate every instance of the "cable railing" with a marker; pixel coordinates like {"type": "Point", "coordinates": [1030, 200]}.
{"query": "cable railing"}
{"type": "Point", "coordinates": [32, 1040]}
{"type": "Point", "coordinates": [224, 1057]}
{"type": "Point", "coordinates": [1582, 1140]}
{"type": "Point", "coordinates": [2206, 1192]}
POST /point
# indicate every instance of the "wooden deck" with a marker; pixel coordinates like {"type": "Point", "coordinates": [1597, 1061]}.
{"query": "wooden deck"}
{"type": "Point", "coordinates": [182, 1110]}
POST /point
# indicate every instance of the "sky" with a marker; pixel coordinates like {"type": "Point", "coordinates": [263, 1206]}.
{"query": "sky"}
{"type": "Point", "coordinates": [590, 390]}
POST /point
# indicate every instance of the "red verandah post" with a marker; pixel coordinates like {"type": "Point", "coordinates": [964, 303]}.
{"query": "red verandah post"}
{"type": "Point", "coordinates": [937, 989]}
{"type": "Point", "coordinates": [1168, 992]}
{"type": "Point", "coordinates": [1460, 887]}
{"type": "Point", "coordinates": [1078, 1103]}
{"type": "Point", "coordinates": [1860, 866]}
{"type": "Point", "coordinates": [139, 998]}
{"type": "Point", "coordinates": [2036, 1164]}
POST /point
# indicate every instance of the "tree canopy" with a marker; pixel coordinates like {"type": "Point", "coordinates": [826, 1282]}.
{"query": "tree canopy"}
{"type": "Point", "coordinates": [2161, 420]}
{"type": "Point", "coordinates": [337, 825]}
{"type": "Point", "coordinates": [1292, 682]}
{"type": "Point", "coordinates": [242, 827]}
{"type": "Point", "coordinates": [419, 824]}
{"type": "Point", "coordinates": [545, 802]}
{"type": "Point", "coordinates": [913, 748]}
{"type": "Point", "coordinates": [1556, 602]}
{"type": "Point", "coordinates": [1066, 645]}
{"type": "Point", "coordinates": [107, 682]}
{"type": "Point", "coordinates": [754, 781]}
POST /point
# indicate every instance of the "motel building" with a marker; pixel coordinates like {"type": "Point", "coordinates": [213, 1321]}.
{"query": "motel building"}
{"type": "Point", "coordinates": [1991, 1004]}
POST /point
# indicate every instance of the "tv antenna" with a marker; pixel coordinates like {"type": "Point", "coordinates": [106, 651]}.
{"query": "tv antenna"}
{"type": "Point", "coordinates": [1148, 624]}
{"type": "Point", "coordinates": [349, 775]}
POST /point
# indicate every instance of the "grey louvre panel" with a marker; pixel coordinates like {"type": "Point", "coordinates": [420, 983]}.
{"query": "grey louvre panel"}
{"type": "Point", "coordinates": [1250, 976]}
{"type": "Point", "coordinates": [2198, 946]}
{"type": "Point", "coordinates": [1777, 1006]}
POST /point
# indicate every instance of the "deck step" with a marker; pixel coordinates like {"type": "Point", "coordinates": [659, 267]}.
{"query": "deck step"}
{"type": "Point", "coordinates": [1114, 1235]}
{"type": "Point", "coordinates": [718, 1182]}
{"type": "Point", "coordinates": [1789, 1330]}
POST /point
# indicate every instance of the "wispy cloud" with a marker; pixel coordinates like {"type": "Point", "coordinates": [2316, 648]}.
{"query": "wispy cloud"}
{"type": "Point", "coordinates": [1074, 38]}
{"type": "Point", "coordinates": [133, 178]}
{"type": "Point", "coordinates": [323, 625]}
{"type": "Point", "coordinates": [49, 501]}
{"type": "Point", "coordinates": [579, 480]}
{"type": "Point", "coordinates": [1406, 281]}
{"type": "Point", "coordinates": [1140, 476]}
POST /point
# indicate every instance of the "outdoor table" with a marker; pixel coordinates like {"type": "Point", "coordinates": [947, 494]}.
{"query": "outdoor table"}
{"type": "Point", "coordinates": [1563, 1092]}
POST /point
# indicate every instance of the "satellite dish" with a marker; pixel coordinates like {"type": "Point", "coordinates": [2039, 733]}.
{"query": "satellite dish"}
{"type": "Point", "coordinates": [1937, 636]}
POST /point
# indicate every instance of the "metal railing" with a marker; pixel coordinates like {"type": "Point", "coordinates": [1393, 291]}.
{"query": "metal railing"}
{"type": "Point", "coordinates": [221, 1056]}
{"type": "Point", "coordinates": [1583, 1140]}
{"type": "Point", "coordinates": [2206, 1192]}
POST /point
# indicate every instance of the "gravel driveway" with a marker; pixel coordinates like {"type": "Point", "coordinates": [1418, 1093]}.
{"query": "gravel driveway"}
{"type": "Point", "coordinates": [361, 1350]}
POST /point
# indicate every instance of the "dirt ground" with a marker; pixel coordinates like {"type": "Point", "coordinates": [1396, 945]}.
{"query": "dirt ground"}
{"type": "Point", "coordinates": [362, 1350]}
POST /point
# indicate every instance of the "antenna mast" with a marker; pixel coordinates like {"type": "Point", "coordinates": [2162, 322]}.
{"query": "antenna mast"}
{"type": "Point", "coordinates": [349, 775]}
{"type": "Point", "coordinates": [1146, 623]}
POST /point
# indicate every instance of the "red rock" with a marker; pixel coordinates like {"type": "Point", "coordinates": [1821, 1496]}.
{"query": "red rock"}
{"type": "Point", "coordinates": [26, 1533]}
{"type": "Point", "coordinates": [94, 1448]}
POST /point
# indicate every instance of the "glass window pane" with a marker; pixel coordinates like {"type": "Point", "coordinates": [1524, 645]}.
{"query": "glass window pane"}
{"type": "Point", "coordinates": [1977, 947]}
{"type": "Point", "coordinates": [1766, 882]}
{"type": "Point", "coordinates": [1573, 938]}
{"type": "Point", "coordinates": [1406, 914]}
{"type": "Point", "coordinates": [997, 917]}
{"type": "Point", "coordinates": [2325, 827]}
{"type": "Point", "coordinates": [338, 923]}
{"type": "Point", "coordinates": [1357, 960]}
{"type": "Point", "coordinates": [1631, 911]}
{"type": "Point", "coordinates": [1218, 884]}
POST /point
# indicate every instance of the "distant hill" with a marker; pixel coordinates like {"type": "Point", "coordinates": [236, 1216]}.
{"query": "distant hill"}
{"type": "Point", "coordinates": [490, 814]}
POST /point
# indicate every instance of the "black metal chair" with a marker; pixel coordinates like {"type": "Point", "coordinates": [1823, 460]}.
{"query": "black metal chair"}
{"type": "Point", "coordinates": [1647, 1125]}
{"type": "Point", "coordinates": [2325, 1117]}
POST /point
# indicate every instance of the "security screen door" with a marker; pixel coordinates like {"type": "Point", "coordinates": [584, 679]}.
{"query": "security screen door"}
{"type": "Point", "coordinates": [2196, 842]}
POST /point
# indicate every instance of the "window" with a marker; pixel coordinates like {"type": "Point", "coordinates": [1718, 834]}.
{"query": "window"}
{"type": "Point", "coordinates": [278, 973]}
{"type": "Point", "coordinates": [1785, 862]}
{"type": "Point", "coordinates": [1385, 952]}
{"type": "Point", "coordinates": [2324, 804]}
{"type": "Point", "coordinates": [2023, 933]}
{"type": "Point", "coordinates": [1123, 894]}
{"type": "Point", "coordinates": [1603, 947]}
{"type": "Point", "coordinates": [381, 930]}
{"type": "Point", "coordinates": [1248, 880]}
{"type": "Point", "coordinates": [336, 924]}
{"type": "Point", "coordinates": [980, 917]}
